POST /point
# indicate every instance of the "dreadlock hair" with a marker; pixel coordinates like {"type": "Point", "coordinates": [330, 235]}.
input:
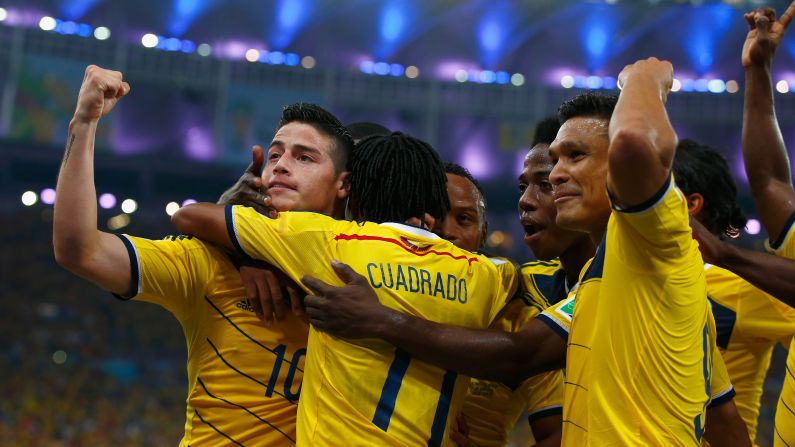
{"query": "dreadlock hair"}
{"type": "Point", "coordinates": [588, 105]}
{"type": "Point", "coordinates": [396, 177]}
{"type": "Point", "coordinates": [546, 131]}
{"type": "Point", "coordinates": [456, 169]}
{"type": "Point", "coordinates": [363, 129]}
{"type": "Point", "coordinates": [701, 169]}
{"type": "Point", "coordinates": [327, 124]}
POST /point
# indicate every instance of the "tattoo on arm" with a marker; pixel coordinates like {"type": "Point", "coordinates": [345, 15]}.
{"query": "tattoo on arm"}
{"type": "Point", "coordinates": [68, 148]}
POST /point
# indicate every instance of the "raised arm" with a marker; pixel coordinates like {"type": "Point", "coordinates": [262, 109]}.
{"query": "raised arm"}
{"type": "Point", "coordinates": [642, 141]}
{"type": "Point", "coordinates": [353, 311]}
{"type": "Point", "coordinates": [764, 153]}
{"type": "Point", "coordinates": [78, 244]}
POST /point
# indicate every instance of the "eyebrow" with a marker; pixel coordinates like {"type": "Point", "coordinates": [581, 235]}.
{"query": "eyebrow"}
{"type": "Point", "coordinates": [300, 147]}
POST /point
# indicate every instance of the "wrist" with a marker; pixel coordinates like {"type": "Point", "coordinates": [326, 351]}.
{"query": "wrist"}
{"type": "Point", "coordinates": [727, 255]}
{"type": "Point", "coordinates": [77, 124]}
{"type": "Point", "coordinates": [387, 323]}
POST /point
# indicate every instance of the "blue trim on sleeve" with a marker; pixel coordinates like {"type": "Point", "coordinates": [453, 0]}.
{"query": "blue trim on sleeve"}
{"type": "Point", "coordinates": [230, 228]}
{"type": "Point", "coordinates": [651, 202]}
{"type": "Point", "coordinates": [720, 400]}
{"type": "Point", "coordinates": [783, 236]}
{"type": "Point", "coordinates": [554, 325]}
{"type": "Point", "coordinates": [134, 273]}
{"type": "Point", "coordinates": [551, 411]}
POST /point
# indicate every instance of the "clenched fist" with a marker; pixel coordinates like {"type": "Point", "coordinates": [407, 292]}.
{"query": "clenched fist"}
{"type": "Point", "coordinates": [100, 91]}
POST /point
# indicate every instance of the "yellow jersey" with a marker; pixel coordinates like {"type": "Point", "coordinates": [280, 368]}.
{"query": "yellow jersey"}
{"type": "Point", "coordinates": [638, 361]}
{"type": "Point", "coordinates": [749, 323]}
{"type": "Point", "coordinates": [491, 409]}
{"type": "Point", "coordinates": [785, 410]}
{"type": "Point", "coordinates": [244, 379]}
{"type": "Point", "coordinates": [365, 392]}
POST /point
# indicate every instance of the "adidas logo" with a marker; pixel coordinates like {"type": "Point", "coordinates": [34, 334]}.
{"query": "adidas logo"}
{"type": "Point", "coordinates": [245, 304]}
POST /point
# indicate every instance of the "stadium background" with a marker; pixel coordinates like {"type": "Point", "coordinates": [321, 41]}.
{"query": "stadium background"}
{"type": "Point", "coordinates": [208, 80]}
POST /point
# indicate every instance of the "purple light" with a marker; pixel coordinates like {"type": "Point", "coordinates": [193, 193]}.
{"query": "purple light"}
{"type": "Point", "coordinates": [199, 144]}
{"type": "Point", "coordinates": [47, 196]}
{"type": "Point", "coordinates": [753, 226]}
{"type": "Point", "coordinates": [107, 200]}
{"type": "Point", "coordinates": [476, 160]}
{"type": "Point", "coordinates": [187, 202]}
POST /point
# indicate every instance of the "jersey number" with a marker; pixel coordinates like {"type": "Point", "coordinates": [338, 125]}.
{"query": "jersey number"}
{"type": "Point", "coordinates": [288, 382]}
{"type": "Point", "coordinates": [394, 378]}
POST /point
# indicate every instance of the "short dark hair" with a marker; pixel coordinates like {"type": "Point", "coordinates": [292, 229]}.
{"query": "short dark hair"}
{"type": "Point", "coordinates": [589, 104]}
{"type": "Point", "coordinates": [701, 169]}
{"type": "Point", "coordinates": [396, 177]}
{"type": "Point", "coordinates": [457, 169]}
{"type": "Point", "coordinates": [546, 131]}
{"type": "Point", "coordinates": [324, 122]}
{"type": "Point", "coordinates": [363, 129]}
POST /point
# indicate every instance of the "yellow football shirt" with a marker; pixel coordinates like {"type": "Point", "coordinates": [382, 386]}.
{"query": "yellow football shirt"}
{"type": "Point", "coordinates": [638, 360]}
{"type": "Point", "coordinates": [492, 408]}
{"type": "Point", "coordinates": [785, 411]}
{"type": "Point", "coordinates": [365, 392]}
{"type": "Point", "coordinates": [749, 324]}
{"type": "Point", "coordinates": [244, 379]}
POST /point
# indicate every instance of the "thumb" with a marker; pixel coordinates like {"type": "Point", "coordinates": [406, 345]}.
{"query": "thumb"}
{"type": "Point", "coordinates": [346, 273]}
{"type": "Point", "coordinates": [316, 285]}
{"type": "Point", "coordinates": [257, 159]}
{"type": "Point", "coordinates": [762, 26]}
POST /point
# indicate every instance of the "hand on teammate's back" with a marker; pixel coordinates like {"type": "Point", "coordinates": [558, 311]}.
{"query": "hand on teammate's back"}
{"type": "Point", "coordinates": [764, 35]}
{"type": "Point", "coordinates": [349, 311]}
{"type": "Point", "coordinates": [248, 189]}
{"type": "Point", "coordinates": [269, 290]}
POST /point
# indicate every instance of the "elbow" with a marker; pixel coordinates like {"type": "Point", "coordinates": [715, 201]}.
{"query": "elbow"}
{"type": "Point", "coordinates": [184, 220]}
{"type": "Point", "coordinates": [71, 254]}
{"type": "Point", "coordinates": [635, 147]}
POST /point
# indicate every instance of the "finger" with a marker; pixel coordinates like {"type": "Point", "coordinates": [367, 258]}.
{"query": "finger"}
{"type": "Point", "coordinates": [762, 26]}
{"type": "Point", "coordinates": [316, 285]}
{"type": "Point", "coordinates": [125, 89]}
{"type": "Point", "coordinates": [318, 303]}
{"type": "Point", "coordinates": [266, 301]}
{"type": "Point", "coordinates": [749, 19]}
{"type": "Point", "coordinates": [258, 182]}
{"type": "Point", "coordinates": [459, 439]}
{"type": "Point", "coordinates": [257, 159]}
{"type": "Point", "coordinates": [275, 286]}
{"type": "Point", "coordinates": [786, 18]}
{"type": "Point", "coordinates": [296, 301]}
{"type": "Point", "coordinates": [346, 273]}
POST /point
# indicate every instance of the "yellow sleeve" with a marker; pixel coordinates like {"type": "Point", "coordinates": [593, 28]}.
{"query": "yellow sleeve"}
{"type": "Point", "coordinates": [507, 287]}
{"type": "Point", "coordinates": [721, 388]}
{"type": "Point", "coordinates": [784, 244]}
{"type": "Point", "coordinates": [544, 394]}
{"type": "Point", "coordinates": [297, 243]}
{"type": "Point", "coordinates": [764, 316]}
{"type": "Point", "coordinates": [558, 317]}
{"type": "Point", "coordinates": [172, 272]}
{"type": "Point", "coordinates": [655, 234]}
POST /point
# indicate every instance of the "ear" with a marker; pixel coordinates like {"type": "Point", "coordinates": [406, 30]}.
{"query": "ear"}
{"type": "Point", "coordinates": [428, 221]}
{"type": "Point", "coordinates": [695, 204]}
{"type": "Point", "coordinates": [343, 185]}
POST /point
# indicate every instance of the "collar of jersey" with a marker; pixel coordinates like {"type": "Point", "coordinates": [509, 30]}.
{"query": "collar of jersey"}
{"type": "Point", "coordinates": [416, 231]}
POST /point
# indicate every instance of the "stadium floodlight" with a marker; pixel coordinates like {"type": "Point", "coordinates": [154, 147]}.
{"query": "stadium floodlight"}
{"type": "Point", "coordinates": [172, 208]}
{"type": "Point", "coordinates": [412, 72]}
{"type": "Point", "coordinates": [102, 33]}
{"type": "Point", "coordinates": [3, 14]}
{"type": "Point", "coordinates": [47, 23]}
{"type": "Point", "coordinates": [129, 206]}
{"type": "Point", "coordinates": [149, 40]}
{"type": "Point", "coordinates": [29, 198]}
{"type": "Point", "coordinates": [517, 79]}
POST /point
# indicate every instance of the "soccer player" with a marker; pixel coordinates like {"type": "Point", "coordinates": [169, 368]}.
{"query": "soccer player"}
{"type": "Point", "coordinates": [768, 169]}
{"type": "Point", "coordinates": [638, 367]}
{"type": "Point", "coordinates": [244, 379]}
{"type": "Point", "coordinates": [368, 391]}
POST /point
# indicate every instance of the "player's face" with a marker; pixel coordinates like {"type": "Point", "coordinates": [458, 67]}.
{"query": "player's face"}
{"type": "Point", "coordinates": [299, 172]}
{"type": "Point", "coordinates": [463, 225]}
{"type": "Point", "coordinates": [537, 207]}
{"type": "Point", "coordinates": [580, 174]}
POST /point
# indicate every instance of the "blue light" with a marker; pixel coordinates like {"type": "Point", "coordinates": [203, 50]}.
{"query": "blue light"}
{"type": "Point", "coordinates": [366, 67]}
{"type": "Point", "coordinates": [290, 13]}
{"type": "Point", "coordinates": [490, 35]}
{"type": "Point", "coordinates": [473, 76]}
{"type": "Point", "coordinates": [707, 25]}
{"type": "Point", "coordinates": [68, 27]}
{"type": "Point", "coordinates": [487, 77]}
{"type": "Point", "coordinates": [183, 14]}
{"type": "Point", "coordinates": [84, 30]}
{"type": "Point", "coordinates": [290, 16]}
{"type": "Point", "coordinates": [503, 77]}
{"type": "Point", "coordinates": [687, 85]}
{"type": "Point", "coordinates": [700, 85]}
{"type": "Point", "coordinates": [173, 44]}
{"type": "Point", "coordinates": [392, 22]}
{"type": "Point", "coordinates": [276, 57]}
{"type": "Point", "coordinates": [609, 82]}
{"type": "Point", "coordinates": [292, 59]}
{"type": "Point", "coordinates": [579, 82]}
{"type": "Point", "coordinates": [595, 35]}
{"type": "Point", "coordinates": [396, 70]}
{"type": "Point", "coordinates": [75, 9]}
{"type": "Point", "coordinates": [381, 68]}
{"type": "Point", "coordinates": [716, 86]}
{"type": "Point", "coordinates": [188, 46]}
{"type": "Point", "coordinates": [594, 82]}
{"type": "Point", "coordinates": [263, 57]}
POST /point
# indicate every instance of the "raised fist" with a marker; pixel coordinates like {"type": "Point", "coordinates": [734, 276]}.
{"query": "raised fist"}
{"type": "Point", "coordinates": [100, 91]}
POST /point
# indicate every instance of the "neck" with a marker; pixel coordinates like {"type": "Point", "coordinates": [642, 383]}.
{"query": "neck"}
{"type": "Point", "coordinates": [575, 257]}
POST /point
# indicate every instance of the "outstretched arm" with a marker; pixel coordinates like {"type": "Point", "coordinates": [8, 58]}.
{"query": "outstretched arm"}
{"type": "Point", "coordinates": [642, 141]}
{"type": "Point", "coordinates": [206, 221]}
{"type": "Point", "coordinates": [764, 153]}
{"type": "Point", "coordinates": [79, 246]}
{"type": "Point", "coordinates": [353, 311]}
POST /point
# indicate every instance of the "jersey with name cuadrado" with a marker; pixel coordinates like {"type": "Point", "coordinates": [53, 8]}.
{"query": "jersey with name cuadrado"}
{"type": "Point", "coordinates": [749, 324]}
{"type": "Point", "coordinates": [244, 379]}
{"type": "Point", "coordinates": [784, 433]}
{"type": "Point", "coordinates": [491, 408]}
{"type": "Point", "coordinates": [638, 360]}
{"type": "Point", "coordinates": [366, 392]}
